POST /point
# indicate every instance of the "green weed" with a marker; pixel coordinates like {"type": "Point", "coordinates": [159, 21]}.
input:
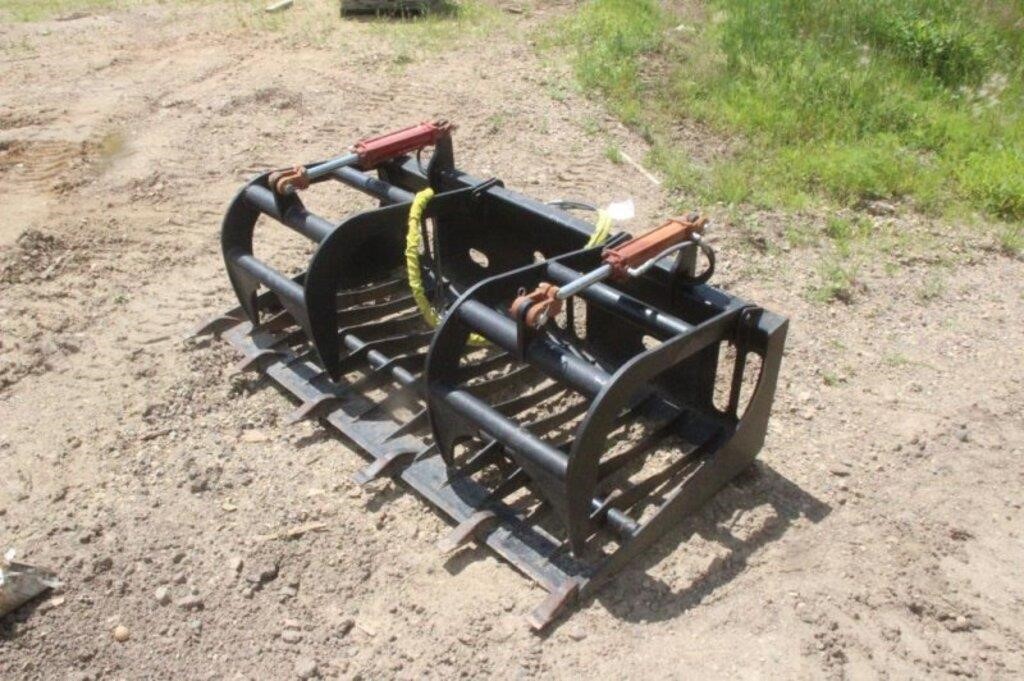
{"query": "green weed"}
{"type": "Point", "coordinates": [837, 101]}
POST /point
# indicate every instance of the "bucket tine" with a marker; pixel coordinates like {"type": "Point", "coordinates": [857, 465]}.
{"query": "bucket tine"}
{"type": "Point", "coordinates": [465, 531]}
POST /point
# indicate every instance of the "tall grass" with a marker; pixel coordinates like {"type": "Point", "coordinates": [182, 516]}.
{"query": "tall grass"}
{"type": "Point", "coordinates": [841, 100]}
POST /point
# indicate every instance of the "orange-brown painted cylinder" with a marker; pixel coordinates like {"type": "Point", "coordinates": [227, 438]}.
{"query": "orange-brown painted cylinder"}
{"type": "Point", "coordinates": [640, 249]}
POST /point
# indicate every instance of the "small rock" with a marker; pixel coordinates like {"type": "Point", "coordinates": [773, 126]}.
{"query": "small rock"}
{"type": "Point", "coordinates": [162, 595]}
{"type": "Point", "coordinates": [253, 437]}
{"type": "Point", "coordinates": [577, 633]}
{"type": "Point", "coordinates": [306, 668]}
{"type": "Point", "coordinates": [196, 626]}
{"type": "Point", "coordinates": [179, 578]}
{"type": "Point", "coordinates": [191, 603]}
{"type": "Point", "coordinates": [236, 564]}
{"type": "Point", "coordinates": [263, 574]}
{"type": "Point", "coordinates": [121, 633]}
{"type": "Point", "coordinates": [345, 627]}
{"type": "Point", "coordinates": [880, 208]}
{"type": "Point", "coordinates": [291, 636]}
{"type": "Point", "coordinates": [963, 435]}
{"type": "Point", "coordinates": [52, 603]}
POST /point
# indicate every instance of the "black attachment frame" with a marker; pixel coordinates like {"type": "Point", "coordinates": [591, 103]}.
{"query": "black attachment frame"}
{"type": "Point", "coordinates": [511, 441]}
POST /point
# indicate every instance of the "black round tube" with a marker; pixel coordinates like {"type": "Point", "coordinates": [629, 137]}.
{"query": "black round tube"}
{"type": "Point", "coordinates": [617, 302]}
{"type": "Point", "coordinates": [309, 225]}
{"type": "Point", "coordinates": [385, 191]}
{"type": "Point", "coordinates": [553, 360]}
{"type": "Point", "coordinates": [278, 283]}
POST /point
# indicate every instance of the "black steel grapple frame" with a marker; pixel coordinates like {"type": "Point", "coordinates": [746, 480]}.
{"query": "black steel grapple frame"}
{"type": "Point", "coordinates": [547, 493]}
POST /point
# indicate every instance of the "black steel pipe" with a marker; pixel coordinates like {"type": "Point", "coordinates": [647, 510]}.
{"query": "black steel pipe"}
{"type": "Point", "coordinates": [623, 525]}
{"type": "Point", "coordinates": [283, 286]}
{"type": "Point", "coordinates": [619, 303]}
{"type": "Point", "coordinates": [377, 359]}
{"type": "Point", "coordinates": [311, 226]}
{"type": "Point", "coordinates": [553, 360]}
{"type": "Point", "coordinates": [385, 191]}
{"type": "Point", "coordinates": [534, 450]}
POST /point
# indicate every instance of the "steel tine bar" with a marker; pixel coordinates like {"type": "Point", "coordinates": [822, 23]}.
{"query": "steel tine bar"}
{"type": "Point", "coordinates": [355, 359]}
{"type": "Point", "coordinates": [382, 374]}
{"type": "Point", "coordinates": [400, 395]}
{"type": "Point", "coordinates": [293, 337]}
{"type": "Point", "coordinates": [523, 402]}
{"type": "Point", "coordinates": [471, 371]}
{"type": "Point", "coordinates": [609, 467]}
{"type": "Point", "coordinates": [489, 386]}
{"type": "Point", "coordinates": [552, 422]}
{"type": "Point", "coordinates": [363, 295]}
{"type": "Point", "coordinates": [516, 481]}
{"type": "Point", "coordinates": [481, 459]}
{"type": "Point", "coordinates": [418, 421]}
{"type": "Point", "coordinates": [390, 327]}
{"type": "Point", "coordinates": [629, 494]}
{"type": "Point", "coordinates": [276, 322]}
{"type": "Point", "coordinates": [361, 315]}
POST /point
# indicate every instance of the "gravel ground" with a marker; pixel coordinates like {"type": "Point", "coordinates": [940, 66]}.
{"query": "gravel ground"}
{"type": "Point", "coordinates": [879, 536]}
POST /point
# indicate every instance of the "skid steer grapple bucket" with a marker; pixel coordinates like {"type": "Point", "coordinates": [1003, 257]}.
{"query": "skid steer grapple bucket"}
{"type": "Point", "coordinates": [574, 401]}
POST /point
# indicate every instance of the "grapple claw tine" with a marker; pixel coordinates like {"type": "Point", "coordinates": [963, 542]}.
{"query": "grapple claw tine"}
{"type": "Point", "coordinates": [218, 325]}
{"type": "Point", "coordinates": [553, 605]}
{"type": "Point", "coordinates": [465, 531]}
{"type": "Point", "coordinates": [383, 466]}
{"type": "Point", "coordinates": [258, 361]}
{"type": "Point", "coordinates": [311, 409]}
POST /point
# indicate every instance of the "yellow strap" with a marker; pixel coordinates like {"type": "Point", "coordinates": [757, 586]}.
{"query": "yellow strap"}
{"type": "Point", "coordinates": [412, 255]}
{"type": "Point", "coordinates": [412, 262]}
{"type": "Point", "coordinates": [601, 230]}
{"type": "Point", "coordinates": [413, 242]}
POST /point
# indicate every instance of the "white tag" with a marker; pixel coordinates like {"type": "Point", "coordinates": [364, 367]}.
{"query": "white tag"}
{"type": "Point", "coordinates": [621, 211]}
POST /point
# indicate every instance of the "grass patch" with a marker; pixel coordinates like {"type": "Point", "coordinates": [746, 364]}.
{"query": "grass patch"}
{"type": "Point", "coordinates": [1012, 240]}
{"type": "Point", "coordinates": [837, 101]}
{"type": "Point", "coordinates": [436, 30]}
{"type": "Point", "coordinates": [36, 10]}
{"type": "Point", "coordinates": [41, 10]}
{"type": "Point", "coordinates": [837, 282]}
{"type": "Point", "coordinates": [612, 153]}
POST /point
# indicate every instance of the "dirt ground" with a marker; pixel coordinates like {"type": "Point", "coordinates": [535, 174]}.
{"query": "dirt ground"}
{"type": "Point", "coordinates": [879, 536]}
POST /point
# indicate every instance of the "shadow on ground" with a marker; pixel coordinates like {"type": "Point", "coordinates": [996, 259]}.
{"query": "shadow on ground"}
{"type": "Point", "coordinates": [636, 596]}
